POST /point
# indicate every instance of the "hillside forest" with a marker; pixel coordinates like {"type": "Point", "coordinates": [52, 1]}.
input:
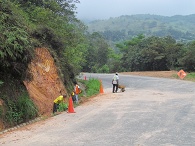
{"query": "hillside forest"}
{"type": "Point", "coordinates": [34, 30]}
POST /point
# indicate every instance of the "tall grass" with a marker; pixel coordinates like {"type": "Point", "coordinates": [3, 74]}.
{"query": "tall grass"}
{"type": "Point", "coordinates": [190, 76]}
{"type": "Point", "coordinates": [63, 107]}
{"type": "Point", "coordinates": [18, 111]}
{"type": "Point", "coordinates": [27, 107]}
{"type": "Point", "coordinates": [92, 87]}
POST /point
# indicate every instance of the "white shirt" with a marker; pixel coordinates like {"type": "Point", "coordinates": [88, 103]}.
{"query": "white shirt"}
{"type": "Point", "coordinates": [115, 79]}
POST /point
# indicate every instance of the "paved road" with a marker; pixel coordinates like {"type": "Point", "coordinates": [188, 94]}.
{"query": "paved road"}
{"type": "Point", "coordinates": [151, 112]}
{"type": "Point", "coordinates": [141, 82]}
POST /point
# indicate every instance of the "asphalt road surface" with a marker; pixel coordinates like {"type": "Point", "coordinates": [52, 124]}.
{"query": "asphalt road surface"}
{"type": "Point", "coordinates": [151, 112]}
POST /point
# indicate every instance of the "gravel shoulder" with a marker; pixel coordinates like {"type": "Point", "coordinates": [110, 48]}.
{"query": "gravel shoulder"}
{"type": "Point", "coordinates": [161, 74]}
{"type": "Point", "coordinates": [134, 117]}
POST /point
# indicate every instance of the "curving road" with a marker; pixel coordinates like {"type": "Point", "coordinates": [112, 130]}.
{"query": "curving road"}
{"type": "Point", "coordinates": [151, 112]}
{"type": "Point", "coordinates": [141, 82]}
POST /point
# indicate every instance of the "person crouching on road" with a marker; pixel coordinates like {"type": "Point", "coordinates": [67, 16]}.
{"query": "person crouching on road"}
{"type": "Point", "coordinates": [73, 96]}
{"type": "Point", "coordinates": [57, 101]}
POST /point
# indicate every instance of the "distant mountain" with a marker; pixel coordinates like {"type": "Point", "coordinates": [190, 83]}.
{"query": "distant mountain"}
{"type": "Point", "coordinates": [181, 28]}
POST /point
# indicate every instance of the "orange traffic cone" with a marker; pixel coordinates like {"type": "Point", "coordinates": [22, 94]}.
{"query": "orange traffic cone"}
{"type": "Point", "coordinates": [70, 106]}
{"type": "Point", "coordinates": [101, 87]}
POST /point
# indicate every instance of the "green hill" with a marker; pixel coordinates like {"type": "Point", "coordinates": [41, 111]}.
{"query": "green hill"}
{"type": "Point", "coordinates": [125, 27]}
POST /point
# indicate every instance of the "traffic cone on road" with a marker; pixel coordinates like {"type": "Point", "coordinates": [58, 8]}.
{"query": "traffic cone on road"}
{"type": "Point", "coordinates": [101, 87]}
{"type": "Point", "coordinates": [70, 106]}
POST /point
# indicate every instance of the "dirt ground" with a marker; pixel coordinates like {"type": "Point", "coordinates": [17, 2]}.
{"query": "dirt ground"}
{"type": "Point", "coordinates": [162, 74]}
{"type": "Point", "coordinates": [93, 105]}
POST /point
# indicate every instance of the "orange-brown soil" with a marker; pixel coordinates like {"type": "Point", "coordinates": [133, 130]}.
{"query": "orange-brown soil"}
{"type": "Point", "coordinates": [162, 74]}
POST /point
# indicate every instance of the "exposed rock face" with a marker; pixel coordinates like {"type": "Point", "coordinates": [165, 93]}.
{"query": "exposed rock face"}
{"type": "Point", "coordinates": [45, 85]}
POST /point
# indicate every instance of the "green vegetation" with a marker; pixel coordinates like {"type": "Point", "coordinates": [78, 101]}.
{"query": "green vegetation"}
{"type": "Point", "coordinates": [18, 111]}
{"type": "Point", "coordinates": [63, 107]}
{"type": "Point", "coordinates": [165, 43]}
{"type": "Point", "coordinates": [24, 26]}
{"type": "Point", "coordinates": [97, 56]}
{"type": "Point", "coordinates": [155, 54]}
{"type": "Point", "coordinates": [122, 28]}
{"type": "Point", "coordinates": [190, 76]}
{"type": "Point", "coordinates": [92, 87]}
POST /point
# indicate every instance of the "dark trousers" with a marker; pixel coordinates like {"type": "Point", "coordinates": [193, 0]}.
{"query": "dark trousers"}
{"type": "Point", "coordinates": [55, 107]}
{"type": "Point", "coordinates": [115, 88]}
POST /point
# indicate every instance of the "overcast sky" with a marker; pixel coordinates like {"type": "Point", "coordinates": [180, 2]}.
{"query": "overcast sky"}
{"type": "Point", "coordinates": [104, 9]}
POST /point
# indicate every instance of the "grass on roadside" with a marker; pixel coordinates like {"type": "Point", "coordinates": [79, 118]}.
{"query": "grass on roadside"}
{"type": "Point", "coordinates": [91, 87]}
{"type": "Point", "coordinates": [62, 107]}
{"type": "Point", "coordinates": [190, 76]}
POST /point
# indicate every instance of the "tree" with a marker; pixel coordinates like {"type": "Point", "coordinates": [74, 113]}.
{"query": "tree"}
{"type": "Point", "coordinates": [148, 54]}
{"type": "Point", "coordinates": [129, 53]}
{"type": "Point", "coordinates": [15, 42]}
{"type": "Point", "coordinates": [187, 60]}
{"type": "Point", "coordinates": [97, 52]}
